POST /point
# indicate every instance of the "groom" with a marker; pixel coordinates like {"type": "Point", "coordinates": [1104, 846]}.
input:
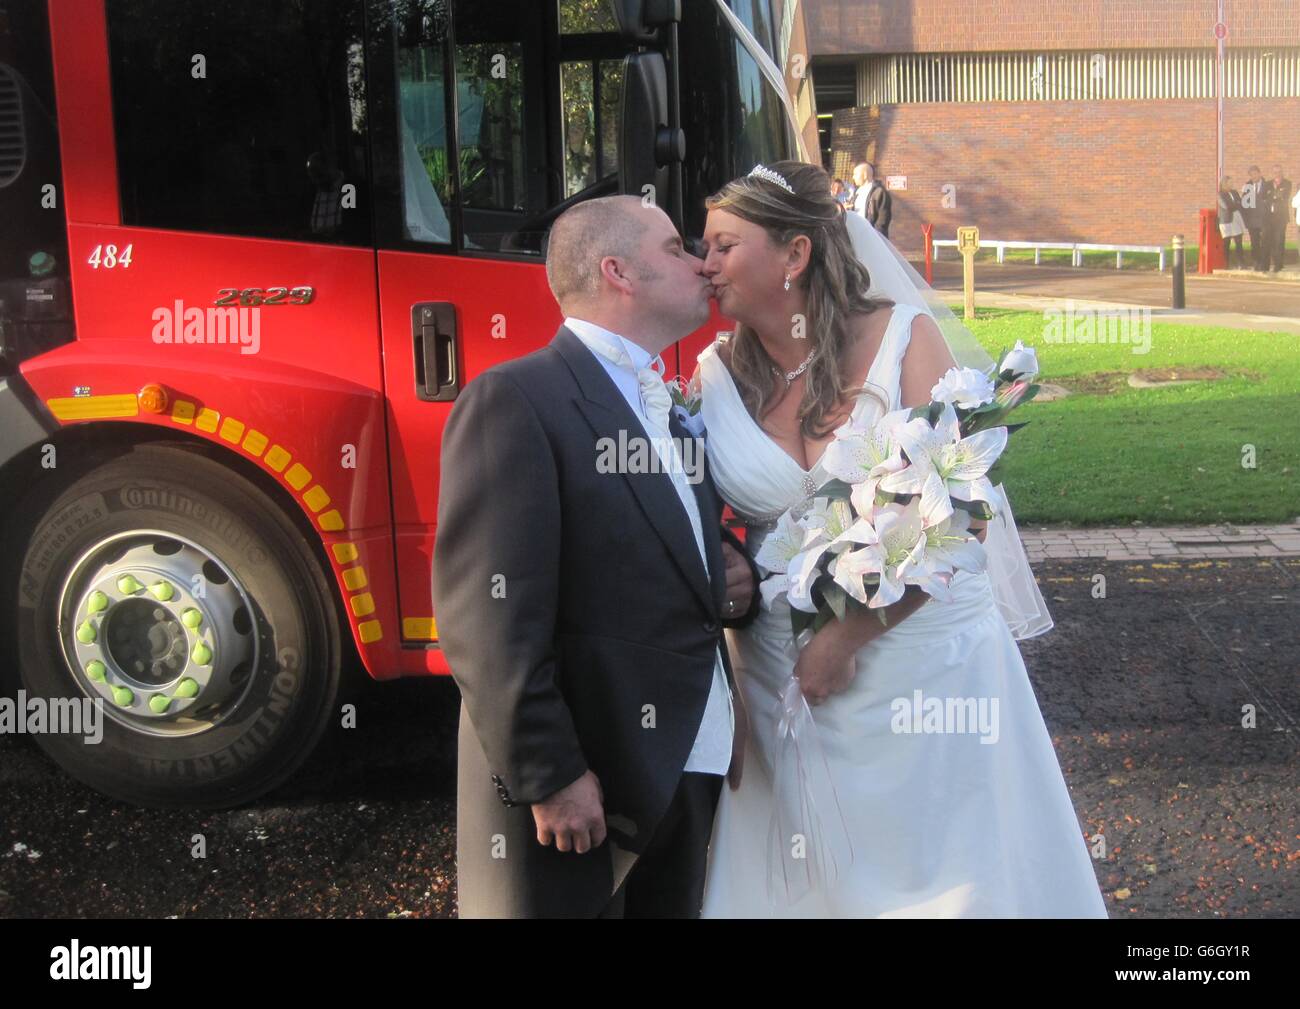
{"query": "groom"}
{"type": "Point", "coordinates": [580, 609]}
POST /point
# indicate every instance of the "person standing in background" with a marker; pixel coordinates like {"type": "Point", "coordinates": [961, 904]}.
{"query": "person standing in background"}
{"type": "Point", "coordinates": [840, 193]}
{"type": "Point", "coordinates": [1278, 208]}
{"type": "Point", "coordinates": [1253, 201]}
{"type": "Point", "coordinates": [872, 200]}
{"type": "Point", "coordinates": [1231, 223]}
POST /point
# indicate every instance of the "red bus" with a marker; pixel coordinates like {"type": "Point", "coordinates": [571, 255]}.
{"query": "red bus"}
{"type": "Point", "coordinates": [252, 250]}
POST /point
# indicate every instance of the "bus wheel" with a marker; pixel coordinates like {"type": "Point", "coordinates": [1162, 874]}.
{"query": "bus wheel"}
{"type": "Point", "coordinates": [188, 618]}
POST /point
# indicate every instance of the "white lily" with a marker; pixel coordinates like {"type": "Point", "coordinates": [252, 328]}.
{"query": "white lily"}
{"type": "Point", "coordinates": [781, 545]}
{"type": "Point", "coordinates": [865, 449]}
{"type": "Point", "coordinates": [772, 588]}
{"type": "Point", "coordinates": [851, 568]}
{"type": "Point", "coordinates": [949, 547]}
{"type": "Point", "coordinates": [829, 525]}
{"type": "Point", "coordinates": [902, 547]}
{"type": "Point", "coordinates": [944, 465]}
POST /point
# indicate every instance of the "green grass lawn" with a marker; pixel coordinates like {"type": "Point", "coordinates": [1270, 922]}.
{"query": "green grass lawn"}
{"type": "Point", "coordinates": [1109, 453]}
{"type": "Point", "coordinates": [1140, 261]}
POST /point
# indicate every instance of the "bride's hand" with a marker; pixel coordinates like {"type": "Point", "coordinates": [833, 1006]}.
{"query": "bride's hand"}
{"type": "Point", "coordinates": [824, 667]}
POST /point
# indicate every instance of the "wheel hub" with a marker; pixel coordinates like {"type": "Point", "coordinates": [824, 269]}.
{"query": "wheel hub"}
{"type": "Point", "coordinates": [159, 629]}
{"type": "Point", "coordinates": [145, 640]}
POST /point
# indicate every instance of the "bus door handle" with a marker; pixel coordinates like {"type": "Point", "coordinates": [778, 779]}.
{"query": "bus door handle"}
{"type": "Point", "coordinates": [437, 356]}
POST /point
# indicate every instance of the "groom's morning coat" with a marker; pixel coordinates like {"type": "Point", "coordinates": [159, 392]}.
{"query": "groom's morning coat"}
{"type": "Point", "coordinates": [578, 623]}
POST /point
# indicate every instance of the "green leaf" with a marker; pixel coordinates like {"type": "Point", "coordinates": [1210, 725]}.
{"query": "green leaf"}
{"type": "Point", "coordinates": [837, 599]}
{"type": "Point", "coordinates": [977, 509]}
{"type": "Point", "coordinates": [834, 488]}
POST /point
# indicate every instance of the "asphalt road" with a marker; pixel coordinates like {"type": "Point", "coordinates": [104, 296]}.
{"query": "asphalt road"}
{"type": "Point", "coordinates": [1136, 287]}
{"type": "Point", "coordinates": [1142, 691]}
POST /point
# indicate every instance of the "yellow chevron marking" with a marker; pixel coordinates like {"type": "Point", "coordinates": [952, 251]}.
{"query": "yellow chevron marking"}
{"type": "Point", "coordinates": [316, 498]}
{"type": "Point", "coordinates": [298, 476]}
{"type": "Point", "coordinates": [255, 443]}
{"type": "Point", "coordinates": [420, 629]}
{"type": "Point", "coordinates": [232, 430]}
{"type": "Point", "coordinates": [277, 459]}
{"type": "Point", "coordinates": [93, 407]}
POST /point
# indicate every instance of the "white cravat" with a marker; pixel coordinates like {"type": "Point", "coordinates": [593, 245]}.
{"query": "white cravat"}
{"type": "Point", "coordinates": [649, 399]}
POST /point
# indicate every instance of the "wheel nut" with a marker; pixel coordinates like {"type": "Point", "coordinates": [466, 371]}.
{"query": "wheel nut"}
{"type": "Point", "coordinates": [98, 602]}
{"type": "Point", "coordinates": [187, 688]}
{"type": "Point", "coordinates": [127, 585]}
{"type": "Point", "coordinates": [159, 703]}
{"type": "Point", "coordinates": [191, 618]}
{"type": "Point", "coordinates": [162, 591]}
{"type": "Point", "coordinates": [122, 696]}
{"type": "Point", "coordinates": [86, 633]}
{"type": "Point", "coordinates": [202, 654]}
{"type": "Point", "coordinates": [95, 670]}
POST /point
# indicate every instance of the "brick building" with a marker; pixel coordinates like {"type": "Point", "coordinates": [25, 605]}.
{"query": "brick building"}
{"type": "Point", "coordinates": [1093, 120]}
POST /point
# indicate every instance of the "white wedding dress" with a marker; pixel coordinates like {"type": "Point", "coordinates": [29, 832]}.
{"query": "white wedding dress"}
{"type": "Point", "coordinates": [942, 824]}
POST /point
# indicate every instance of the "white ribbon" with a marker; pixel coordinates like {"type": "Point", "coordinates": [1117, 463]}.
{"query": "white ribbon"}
{"type": "Point", "coordinates": [770, 71]}
{"type": "Point", "coordinates": [808, 840]}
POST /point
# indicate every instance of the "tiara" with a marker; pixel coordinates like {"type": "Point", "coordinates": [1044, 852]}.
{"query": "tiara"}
{"type": "Point", "coordinates": [771, 176]}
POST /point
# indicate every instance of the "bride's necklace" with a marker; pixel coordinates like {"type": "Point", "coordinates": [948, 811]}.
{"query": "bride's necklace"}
{"type": "Point", "coordinates": [790, 376]}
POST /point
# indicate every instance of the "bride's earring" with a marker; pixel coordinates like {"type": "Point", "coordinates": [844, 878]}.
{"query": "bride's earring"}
{"type": "Point", "coordinates": [787, 281]}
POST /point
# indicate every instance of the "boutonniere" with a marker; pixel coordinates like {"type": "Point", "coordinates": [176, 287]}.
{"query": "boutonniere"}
{"type": "Point", "coordinates": [686, 396]}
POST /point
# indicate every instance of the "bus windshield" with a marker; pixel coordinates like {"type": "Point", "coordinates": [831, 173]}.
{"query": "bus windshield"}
{"type": "Point", "coordinates": [732, 113]}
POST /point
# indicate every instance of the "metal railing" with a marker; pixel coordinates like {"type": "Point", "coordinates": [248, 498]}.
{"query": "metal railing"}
{"type": "Point", "coordinates": [1077, 249]}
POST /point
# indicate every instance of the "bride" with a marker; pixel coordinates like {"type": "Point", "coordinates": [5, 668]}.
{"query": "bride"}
{"type": "Point", "coordinates": [940, 823]}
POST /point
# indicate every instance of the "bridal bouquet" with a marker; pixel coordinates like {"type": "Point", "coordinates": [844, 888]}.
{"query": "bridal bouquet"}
{"type": "Point", "coordinates": [898, 510]}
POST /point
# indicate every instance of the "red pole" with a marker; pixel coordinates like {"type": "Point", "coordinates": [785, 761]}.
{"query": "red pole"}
{"type": "Point", "coordinates": [928, 231]}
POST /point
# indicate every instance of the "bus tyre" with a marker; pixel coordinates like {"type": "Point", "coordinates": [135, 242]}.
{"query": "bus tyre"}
{"type": "Point", "coordinates": [176, 603]}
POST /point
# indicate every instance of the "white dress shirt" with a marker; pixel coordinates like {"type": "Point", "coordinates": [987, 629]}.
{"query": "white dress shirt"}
{"type": "Point", "coordinates": [860, 198]}
{"type": "Point", "coordinates": [711, 753]}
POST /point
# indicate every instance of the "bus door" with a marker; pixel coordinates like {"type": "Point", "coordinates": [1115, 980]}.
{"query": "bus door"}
{"type": "Point", "coordinates": [487, 120]}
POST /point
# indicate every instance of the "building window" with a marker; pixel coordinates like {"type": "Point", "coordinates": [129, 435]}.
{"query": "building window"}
{"type": "Point", "coordinates": [1109, 75]}
{"type": "Point", "coordinates": [241, 118]}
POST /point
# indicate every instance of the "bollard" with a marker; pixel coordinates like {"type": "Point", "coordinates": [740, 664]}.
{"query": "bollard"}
{"type": "Point", "coordinates": [1180, 291]}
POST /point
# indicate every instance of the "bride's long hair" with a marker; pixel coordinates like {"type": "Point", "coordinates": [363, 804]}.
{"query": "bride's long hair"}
{"type": "Point", "coordinates": [836, 283]}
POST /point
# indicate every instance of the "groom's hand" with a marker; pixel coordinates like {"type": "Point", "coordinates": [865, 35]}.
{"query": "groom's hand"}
{"type": "Point", "coordinates": [740, 582]}
{"type": "Point", "coordinates": [573, 817]}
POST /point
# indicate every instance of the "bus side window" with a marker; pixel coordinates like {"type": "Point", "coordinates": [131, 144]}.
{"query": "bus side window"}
{"type": "Point", "coordinates": [501, 112]}
{"type": "Point", "coordinates": [422, 123]}
{"type": "Point", "coordinates": [244, 118]}
{"type": "Point", "coordinates": [536, 117]}
{"type": "Point", "coordinates": [590, 90]}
